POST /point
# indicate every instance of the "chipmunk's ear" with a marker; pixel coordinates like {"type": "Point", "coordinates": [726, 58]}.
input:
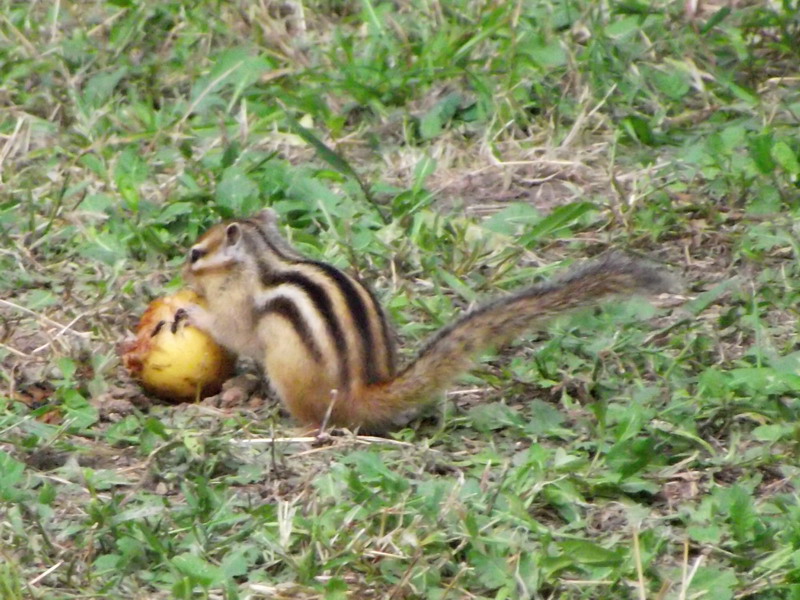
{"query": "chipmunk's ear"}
{"type": "Point", "coordinates": [233, 233]}
{"type": "Point", "coordinates": [267, 217]}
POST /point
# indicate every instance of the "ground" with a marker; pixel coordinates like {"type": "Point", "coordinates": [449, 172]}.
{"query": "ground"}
{"type": "Point", "coordinates": [445, 152]}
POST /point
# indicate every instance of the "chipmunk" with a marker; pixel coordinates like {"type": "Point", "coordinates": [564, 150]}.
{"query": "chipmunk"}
{"type": "Point", "coordinates": [324, 340]}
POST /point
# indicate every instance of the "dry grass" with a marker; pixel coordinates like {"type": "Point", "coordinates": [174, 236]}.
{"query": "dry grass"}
{"type": "Point", "coordinates": [632, 452]}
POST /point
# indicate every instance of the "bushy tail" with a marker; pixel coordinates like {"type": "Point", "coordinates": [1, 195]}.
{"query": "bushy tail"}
{"type": "Point", "coordinates": [452, 349]}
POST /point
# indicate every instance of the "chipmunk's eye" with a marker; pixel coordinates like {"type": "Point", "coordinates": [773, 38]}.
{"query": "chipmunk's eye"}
{"type": "Point", "coordinates": [196, 254]}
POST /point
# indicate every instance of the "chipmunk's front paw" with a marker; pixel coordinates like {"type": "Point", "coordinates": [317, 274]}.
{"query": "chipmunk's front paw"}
{"type": "Point", "coordinates": [194, 315]}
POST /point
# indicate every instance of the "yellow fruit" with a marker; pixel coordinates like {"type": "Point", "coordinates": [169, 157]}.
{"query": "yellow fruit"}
{"type": "Point", "coordinates": [176, 361]}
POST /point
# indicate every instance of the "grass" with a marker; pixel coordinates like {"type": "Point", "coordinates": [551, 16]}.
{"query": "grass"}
{"type": "Point", "coordinates": [446, 152]}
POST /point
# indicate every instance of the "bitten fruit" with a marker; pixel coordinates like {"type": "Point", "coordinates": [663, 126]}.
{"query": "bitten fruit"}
{"type": "Point", "coordinates": [172, 359]}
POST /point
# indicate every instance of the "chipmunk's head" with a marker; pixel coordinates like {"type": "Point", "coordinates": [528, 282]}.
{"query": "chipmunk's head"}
{"type": "Point", "coordinates": [236, 249]}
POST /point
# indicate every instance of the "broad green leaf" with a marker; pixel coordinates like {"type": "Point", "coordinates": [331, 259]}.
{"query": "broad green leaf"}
{"type": "Point", "coordinates": [94, 163]}
{"type": "Point", "coordinates": [494, 415]}
{"type": "Point", "coordinates": [585, 552]}
{"type": "Point", "coordinates": [434, 121]}
{"type": "Point", "coordinates": [174, 210]}
{"type": "Point", "coordinates": [38, 299]}
{"type": "Point", "coordinates": [197, 568]}
{"type": "Point", "coordinates": [760, 148]}
{"type": "Point", "coordinates": [711, 534]}
{"type": "Point", "coordinates": [545, 419]}
{"type": "Point", "coordinates": [131, 169]}
{"type": "Point", "coordinates": [624, 27]}
{"type": "Point", "coordinates": [236, 192]}
{"type": "Point", "coordinates": [336, 588]}
{"type": "Point", "coordinates": [239, 560]}
{"type": "Point", "coordinates": [672, 84]}
{"type": "Point", "coordinates": [742, 514]}
{"type": "Point", "coordinates": [236, 66]}
{"type": "Point", "coordinates": [11, 476]}
{"type": "Point", "coordinates": [106, 563]}
{"type": "Point", "coordinates": [638, 129]}
{"type": "Point", "coordinates": [713, 584]}
{"type": "Point", "coordinates": [100, 87]}
{"type": "Point", "coordinates": [548, 55]}
{"type": "Point", "coordinates": [557, 222]}
{"type": "Point", "coordinates": [513, 219]}
{"type": "Point", "coordinates": [786, 157]}
{"type": "Point", "coordinates": [492, 571]}
{"type": "Point", "coordinates": [773, 433]}
{"type": "Point", "coordinates": [79, 412]}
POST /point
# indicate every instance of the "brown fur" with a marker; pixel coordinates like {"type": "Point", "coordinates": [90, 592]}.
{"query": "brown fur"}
{"type": "Point", "coordinates": [451, 351]}
{"type": "Point", "coordinates": [328, 350]}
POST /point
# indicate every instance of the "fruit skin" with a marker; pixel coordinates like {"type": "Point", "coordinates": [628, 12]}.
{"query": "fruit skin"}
{"type": "Point", "coordinates": [172, 359]}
